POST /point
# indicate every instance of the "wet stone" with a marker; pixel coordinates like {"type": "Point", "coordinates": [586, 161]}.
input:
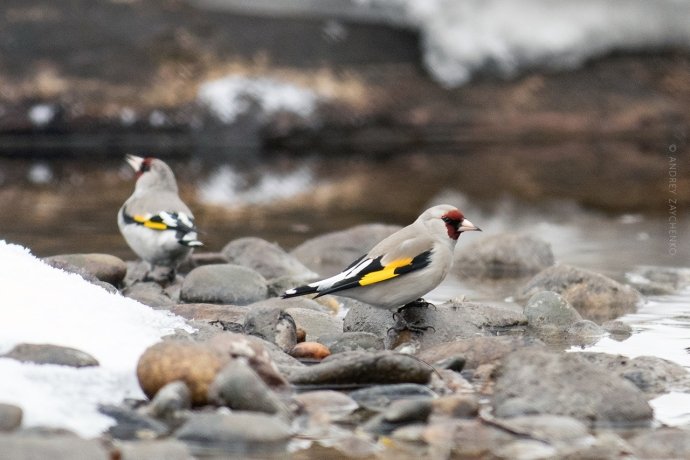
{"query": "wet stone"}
{"type": "Point", "coordinates": [51, 354]}
{"type": "Point", "coordinates": [224, 284]}
{"type": "Point", "coordinates": [399, 413]}
{"type": "Point", "coordinates": [364, 368]}
{"type": "Point", "coordinates": [351, 341]}
{"type": "Point", "coordinates": [240, 433]}
{"type": "Point", "coordinates": [584, 332]}
{"type": "Point", "coordinates": [211, 312]}
{"type": "Point", "coordinates": [547, 308]}
{"type": "Point", "coordinates": [268, 259]}
{"type": "Point", "coordinates": [310, 351]}
{"type": "Point", "coordinates": [335, 404]}
{"type": "Point", "coordinates": [618, 330]}
{"type": "Point", "coordinates": [379, 397]}
{"type": "Point", "coordinates": [10, 417]}
{"type": "Point", "coordinates": [506, 255]}
{"type": "Point", "coordinates": [238, 387]}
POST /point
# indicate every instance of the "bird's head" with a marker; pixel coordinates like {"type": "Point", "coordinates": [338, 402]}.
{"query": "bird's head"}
{"type": "Point", "coordinates": [152, 173]}
{"type": "Point", "coordinates": [448, 221]}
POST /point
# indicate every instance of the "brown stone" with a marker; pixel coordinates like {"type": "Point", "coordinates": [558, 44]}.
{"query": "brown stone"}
{"type": "Point", "coordinates": [310, 350]}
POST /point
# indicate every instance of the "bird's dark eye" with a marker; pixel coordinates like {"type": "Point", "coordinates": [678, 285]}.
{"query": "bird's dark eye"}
{"type": "Point", "coordinates": [446, 219]}
{"type": "Point", "coordinates": [145, 165]}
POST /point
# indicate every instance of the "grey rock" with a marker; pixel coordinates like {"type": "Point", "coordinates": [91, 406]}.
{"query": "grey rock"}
{"type": "Point", "coordinates": [210, 312]}
{"type": "Point", "coordinates": [198, 259]}
{"type": "Point", "coordinates": [650, 280]}
{"type": "Point", "coordinates": [149, 293]}
{"type": "Point", "coordinates": [332, 403]}
{"type": "Point", "coordinates": [457, 406]}
{"type": "Point", "coordinates": [547, 308]}
{"type": "Point", "coordinates": [172, 398]}
{"type": "Point", "coordinates": [58, 447]}
{"type": "Point", "coordinates": [330, 253]}
{"type": "Point", "coordinates": [10, 417]}
{"type": "Point", "coordinates": [238, 387]}
{"type": "Point", "coordinates": [664, 443]}
{"type": "Point", "coordinates": [268, 259]}
{"type": "Point", "coordinates": [51, 354]}
{"type": "Point", "coordinates": [650, 374]}
{"type": "Point", "coordinates": [505, 255]}
{"type": "Point", "coordinates": [548, 428]}
{"type": "Point", "coordinates": [351, 341]}
{"type": "Point", "coordinates": [534, 381]}
{"type": "Point", "coordinates": [272, 324]}
{"type": "Point", "coordinates": [225, 284]}
{"type": "Point", "coordinates": [131, 424]}
{"type": "Point", "coordinates": [315, 323]}
{"type": "Point", "coordinates": [168, 449]}
{"type": "Point", "coordinates": [594, 296]}
{"type": "Point", "coordinates": [379, 397]}
{"type": "Point", "coordinates": [240, 433]}
{"type": "Point", "coordinates": [584, 333]}
{"type": "Point", "coordinates": [399, 413]}
{"type": "Point", "coordinates": [104, 267]}
{"type": "Point", "coordinates": [618, 330]}
{"type": "Point", "coordinates": [478, 350]}
{"type": "Point", "coordinates": [360, 368]}
{"type": "Point", "coordinates": [449, 321]}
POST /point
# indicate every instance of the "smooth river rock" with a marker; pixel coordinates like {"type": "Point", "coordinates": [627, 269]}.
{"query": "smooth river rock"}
{"type": "Point", "coordinates": [594, 296]}
{"type": "Point", "coordinates": [50, 354]}
{"type": "Point", "coordinates": [268, 259]}
{"type": "Point", "coordinates": [104, 267]}
{"type": "Point", "coordinates": [223, 284]}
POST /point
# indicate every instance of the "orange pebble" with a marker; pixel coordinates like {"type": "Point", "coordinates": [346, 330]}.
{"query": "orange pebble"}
{"type": "Point", "coordinates": [310, 350]}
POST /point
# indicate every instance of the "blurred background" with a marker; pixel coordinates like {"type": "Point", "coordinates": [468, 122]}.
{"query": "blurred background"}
{"type": "Point", "coordinates": [289, 119]}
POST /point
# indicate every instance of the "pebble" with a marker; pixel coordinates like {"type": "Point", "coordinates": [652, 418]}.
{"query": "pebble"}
{"type": "Point", "coordinates": [315, 323]}
{"type": "Point", "coordinates": [365, 368]}
{"type": "Point", "coordinates": [457, 406]}
{"type": "Point", "coordinates": [131, 424]}
{"type": "Point", "coordinates": [273, 324]}
{"type": "Point", "coordinates": [268, 259]}
{"type": "Point", "coordinates": [37, 446]}
{"type": "Point", "coordinates": [477, 350]}
{"type": "Point", "coordinates": [238, 433]}
{"type": "Point", "coordinates": [547, 308]}
{"type": "Point", "coordinates": [10, 417]}
{"type": "Point", "coordinates": [104, 267]}
{"type": "Point", "coordinates": [149, 293]}
{"type": "Point", "coordinates": [211, 312]}
{"type": "Point", "coordinates": [378, 398]}
{"type": "Point", "coordinates": [170, 399]}
{"type": "Point", "coordinates": [310, 351]}
{"type": "Point", "coordinates": [351, 341]}
{"type": "Point", "coordinates": [51, 354]}
{"type": "Point", "coordinates": [223, 284]}
{"type": "Point", "coordinates": [335, 404]}
{"type": "Point", "coordinates": [168, 449]}
{"type": "Point", "coordinates": [238, 387]}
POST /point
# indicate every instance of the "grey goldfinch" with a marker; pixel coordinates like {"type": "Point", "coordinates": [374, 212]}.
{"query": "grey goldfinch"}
{"type": "Point", "coordinates": [154, 221]}
{"type": "Point", "coordinates": [403, 267]}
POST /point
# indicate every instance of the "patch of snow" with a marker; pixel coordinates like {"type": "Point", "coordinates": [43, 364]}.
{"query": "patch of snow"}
{"type": "Point", "coordinates": [41, 304]}
{"type": "Point", "coordinates": [41, 114]}
{"type": "Point", "coordinates": [228, 187]}
{"type": "Point", "coordinates": [672, 409]}
{"type": "Point", "coordinates": [229, 97]}
{"type": "Point", "coordinates": [504, 37]}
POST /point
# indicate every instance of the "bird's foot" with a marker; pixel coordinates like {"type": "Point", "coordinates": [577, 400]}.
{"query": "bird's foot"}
{"type": "Point", "coordinates": [401, 324]}
{"type": "Point", "coordinates": [419, 303]}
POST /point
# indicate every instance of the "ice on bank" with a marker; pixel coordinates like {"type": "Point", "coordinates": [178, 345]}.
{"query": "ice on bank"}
{"type": "Point", "coordinates": [41, 304]}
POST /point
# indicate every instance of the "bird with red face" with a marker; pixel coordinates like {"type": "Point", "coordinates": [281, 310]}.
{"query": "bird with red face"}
{"type": "Point", "coordinates": [154, 221]}
{"type": "Point", "coordinates": [403, 267]}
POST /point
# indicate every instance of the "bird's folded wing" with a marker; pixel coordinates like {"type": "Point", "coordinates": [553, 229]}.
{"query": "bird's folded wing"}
{"type": "Point", "coordinates": [162, 221]}
{"type": "Point", "coordinates": [368, 271]}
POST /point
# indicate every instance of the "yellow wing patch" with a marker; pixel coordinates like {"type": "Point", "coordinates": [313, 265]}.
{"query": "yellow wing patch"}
{"type": "Point", "coordinates": [149, 224]}
{"type": "Point", "coordinates": [385, 273]}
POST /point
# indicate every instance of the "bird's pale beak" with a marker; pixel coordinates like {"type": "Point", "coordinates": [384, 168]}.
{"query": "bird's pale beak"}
{"type": "Point", "coordinates": [467, 226]}
{"type": "Point", "coordinates": [134, 161]}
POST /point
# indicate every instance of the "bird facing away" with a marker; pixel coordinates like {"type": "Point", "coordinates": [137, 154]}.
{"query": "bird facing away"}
{"type": "Point", "coordinates": [403, 267]}
{"type": "Point", "coordinates": [154, 221]}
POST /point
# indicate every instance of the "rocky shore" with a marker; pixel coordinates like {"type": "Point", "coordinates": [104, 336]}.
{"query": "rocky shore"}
{"type": "Point", "coordinates": [262, 377]}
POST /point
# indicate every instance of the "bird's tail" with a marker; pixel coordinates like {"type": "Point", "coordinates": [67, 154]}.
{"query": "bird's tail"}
{"type": "Point", "coordinates": [190, 240]}
{"type": "Point", "coordinates": [298, 291]}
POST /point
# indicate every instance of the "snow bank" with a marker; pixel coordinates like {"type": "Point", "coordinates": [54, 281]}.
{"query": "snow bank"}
{"type": "Point", "coordinates": [506, 36]}
{"type": "Point", "coordinates": [41, 304]}
{"type": "Point", "coordinates": [229, 97]}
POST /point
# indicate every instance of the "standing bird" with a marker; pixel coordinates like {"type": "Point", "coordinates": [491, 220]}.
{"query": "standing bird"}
{"type": "Point", "coordinates": [403, 267]}
{"type": "Point", "coordinates": [154, 221]}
